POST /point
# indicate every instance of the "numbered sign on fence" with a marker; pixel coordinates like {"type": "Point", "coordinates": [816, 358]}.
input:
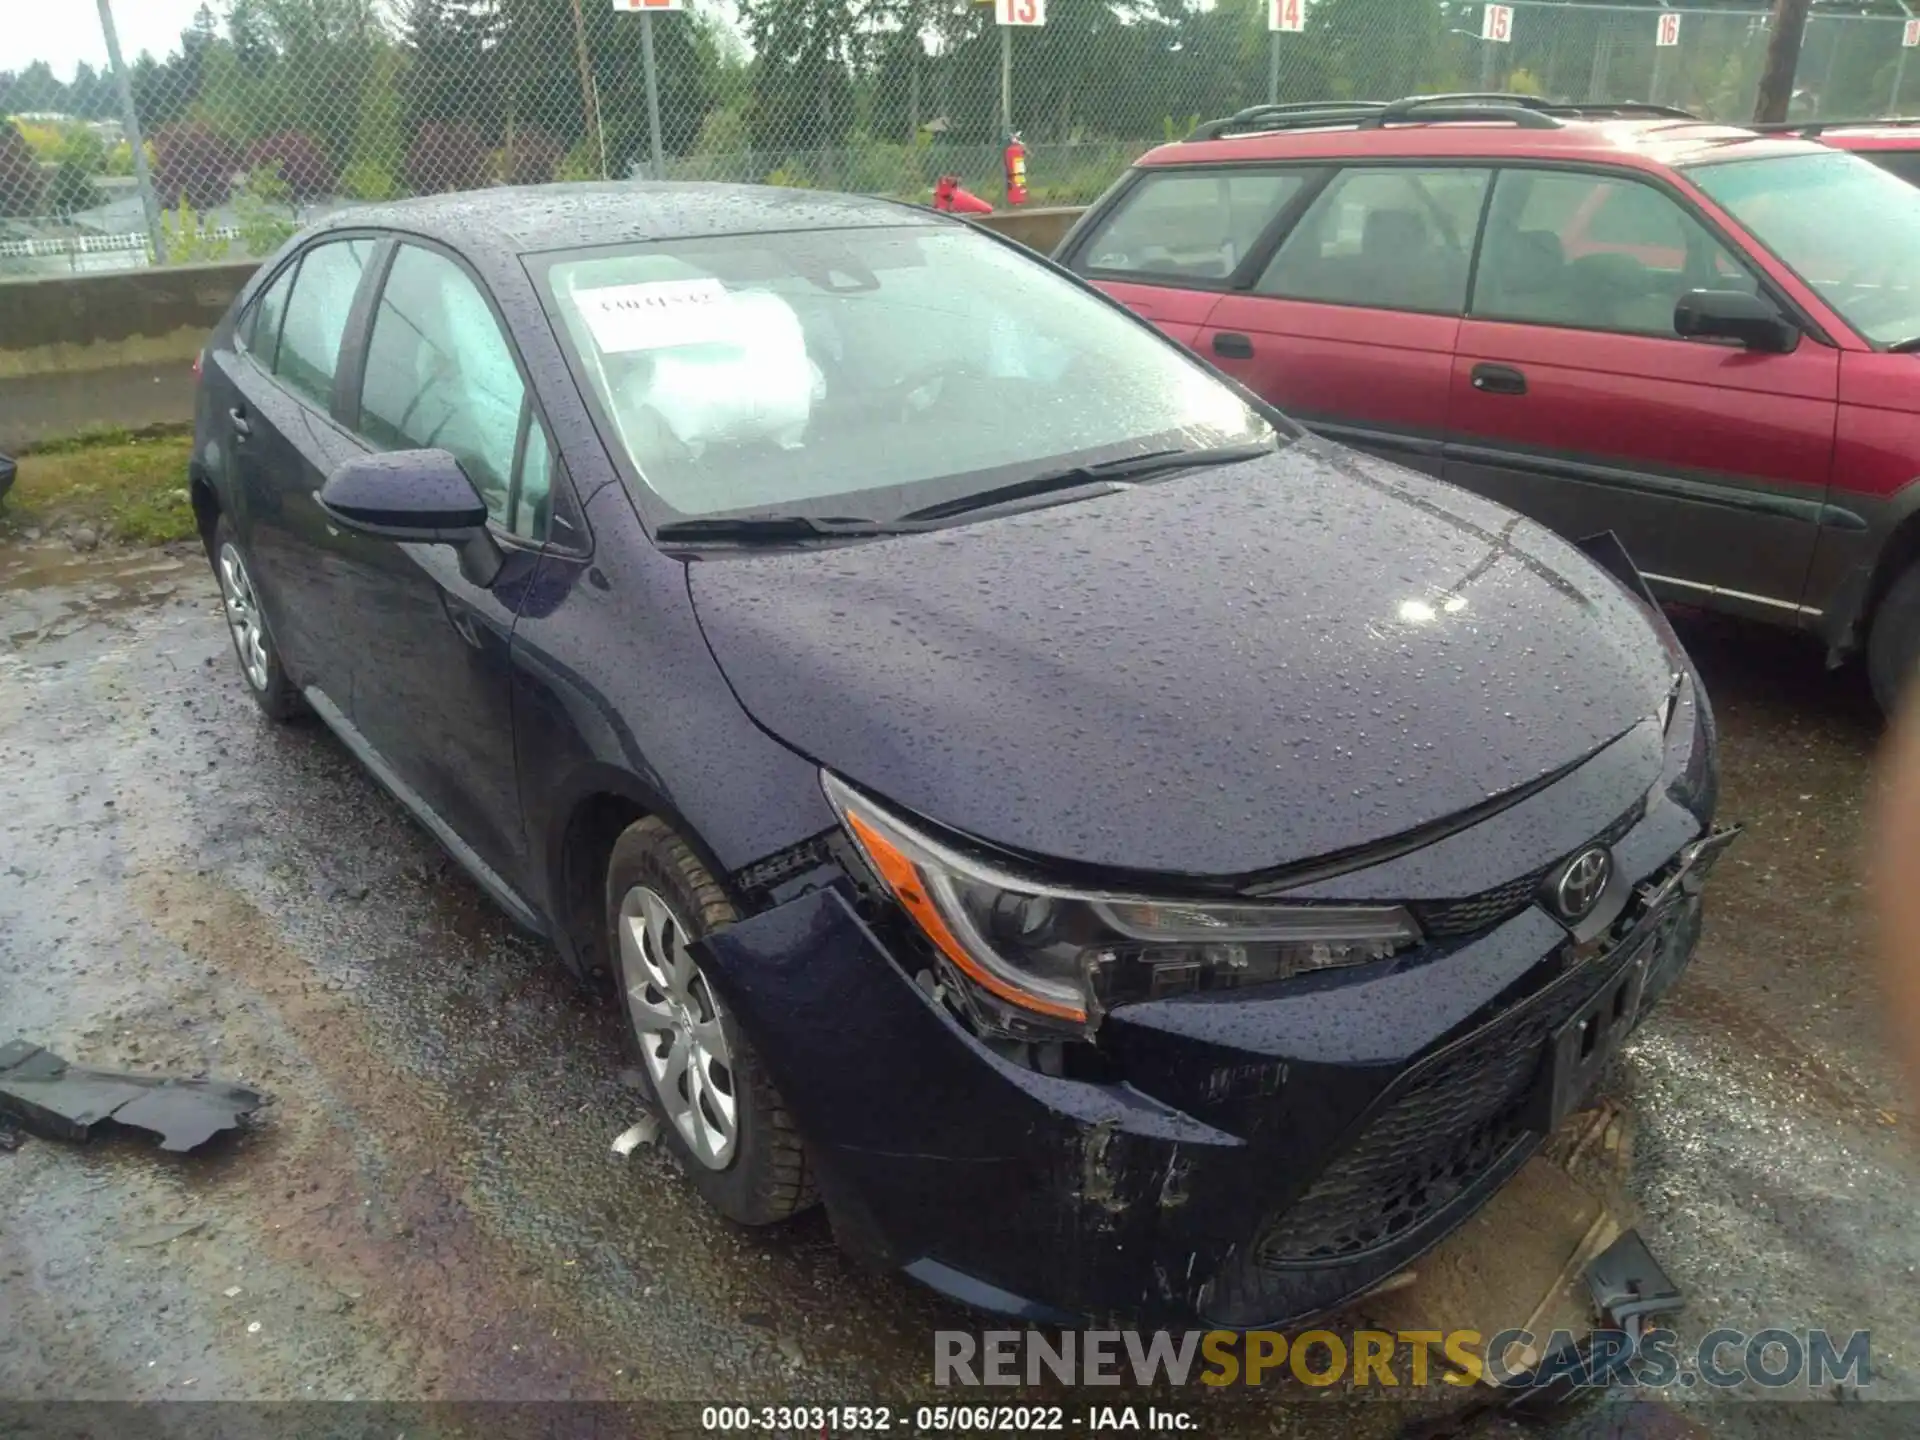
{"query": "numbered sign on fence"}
{"type": "Point", "coordinates": [1020, 12]}
{"type": "Point", "coordinates": [1287, 16]}
{"type": "Point", "coordinates": [1910, 34]}
{"type": "Point", "coordinates": [1496, 23]}
{"type": "Point", "coordinates": [1669, 32]}
{"type": "Point", "coordinates": [649, 4]}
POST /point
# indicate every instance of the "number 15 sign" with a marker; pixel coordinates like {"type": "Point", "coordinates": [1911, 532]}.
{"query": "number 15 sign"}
{"type": "Point", "coordinates": [1287, 17]}
{"type": "Point", "coordinates": [1021, 12]}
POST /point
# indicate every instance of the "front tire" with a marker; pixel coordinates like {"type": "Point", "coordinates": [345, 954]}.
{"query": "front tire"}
{"type": "Point", "coordinates": [1893, 644]}
{"type": "Point", "coordinates": [720, 1113]}
{"type": "Point", "coordinates": [253, 646]}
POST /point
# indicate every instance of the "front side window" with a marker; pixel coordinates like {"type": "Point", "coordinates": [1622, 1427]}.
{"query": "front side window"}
{"type": "Point", "coordinates": [316, 319]}
{"type": "Point", "coordinates": [1193, 225]}
{"type": "Point", "coordinates": [1391, 238]}
{"type": "Point", "coordinates": [1595, 252]}
{"type": "Point", "coordinates": [1847, 228]}
{"type": "Point", "coordinates": [868, 372]}
{"type": "Point", "coordinates": [441, 376]}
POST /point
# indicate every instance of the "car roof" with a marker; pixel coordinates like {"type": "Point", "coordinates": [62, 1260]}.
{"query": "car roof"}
{"type": "Point", "coordinates": [1653, 143]}
{"type": "Point", "coordinates": [523, 220]}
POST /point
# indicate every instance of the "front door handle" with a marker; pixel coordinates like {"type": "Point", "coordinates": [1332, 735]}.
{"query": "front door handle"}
{"type": "Point", "coordinates": [1233, 345]}
{"type": "Point", "coordinates": [1499, 380]}
{"type": "Point", "coordinates": [241, 425]}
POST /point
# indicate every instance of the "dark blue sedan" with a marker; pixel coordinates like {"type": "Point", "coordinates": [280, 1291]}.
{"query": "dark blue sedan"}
{"type": "Point", "coordinates": [1123, 855]}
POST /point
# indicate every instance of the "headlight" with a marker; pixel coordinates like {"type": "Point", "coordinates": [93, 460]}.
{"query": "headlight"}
{"type": "Point", "coordinates": [1036, 954]}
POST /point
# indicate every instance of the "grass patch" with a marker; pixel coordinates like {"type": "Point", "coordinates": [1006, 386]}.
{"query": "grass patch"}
{"type": "Point", "coordinates": [124, 487]}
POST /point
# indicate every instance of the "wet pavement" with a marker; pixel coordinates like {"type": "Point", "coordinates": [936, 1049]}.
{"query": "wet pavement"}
{"type": "Point", "coordinates": [430, 1209]}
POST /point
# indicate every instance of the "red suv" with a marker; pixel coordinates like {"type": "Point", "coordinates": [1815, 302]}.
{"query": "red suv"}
{"type": "Point", "coordinates": [1610, 318]}
{"type": "Point", "coordinates": [1893, 144]}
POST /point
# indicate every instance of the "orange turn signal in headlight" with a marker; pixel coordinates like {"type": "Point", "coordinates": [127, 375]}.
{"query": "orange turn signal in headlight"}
{"type": "Point", "coordinates": [909, 887]}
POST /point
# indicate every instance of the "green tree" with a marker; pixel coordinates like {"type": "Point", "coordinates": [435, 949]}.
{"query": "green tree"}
{"type": "Point", "coordinates": [378, 149]}
{"type": "Point", "coordinates": [20, 179]}
{"type": "Point", "coordinates": [71, 189]}
{"type": "Point", "coordinates": [804, 54]}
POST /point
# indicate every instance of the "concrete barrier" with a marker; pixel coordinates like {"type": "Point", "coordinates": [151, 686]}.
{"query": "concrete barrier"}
{"type": "Point", "coordinates": [116, 350]}
{"type": "Point", "coordinates": [113, 349]}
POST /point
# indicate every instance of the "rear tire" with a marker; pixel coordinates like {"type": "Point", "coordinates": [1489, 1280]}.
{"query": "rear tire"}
{"type": "Point", "coordinates": [253, 646]}
{"type": "Point", "coordinates": [719, 1111]}
{"type": "Point", "coordinates": [1893, 644]}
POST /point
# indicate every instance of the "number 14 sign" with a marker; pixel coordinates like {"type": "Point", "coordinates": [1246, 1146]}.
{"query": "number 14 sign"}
{"type": "Point", "coordinates": [1287, 16]}
{"type": "Point", "coordinates": [1021, 12]}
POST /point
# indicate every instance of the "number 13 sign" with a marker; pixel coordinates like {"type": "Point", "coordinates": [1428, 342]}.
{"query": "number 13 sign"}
{"type": "Point", "coordinates": [1287, 16]}
{"type": "Point", "coordinates": [1021, 12]}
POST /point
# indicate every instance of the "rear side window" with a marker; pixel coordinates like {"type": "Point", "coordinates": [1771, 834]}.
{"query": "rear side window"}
{"type": "Point", "coordinates": [260, 331]}
{"type": "Point", "coordinates": [1196, 225]}
{"type": "Point", "coordinates": [441, 375]}
{"type": "Point", "coordinates": [1594, 252]}
{"type": "Point", "coordinates": [316, 317]}
{"type": "Point", "coordinates": [1904, 163]}
{"type": "Point", "coordinates": [1393, 239]}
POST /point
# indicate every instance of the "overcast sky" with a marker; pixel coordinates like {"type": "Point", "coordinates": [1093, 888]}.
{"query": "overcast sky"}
{"type": "Point", "coordinates": [65, 32]}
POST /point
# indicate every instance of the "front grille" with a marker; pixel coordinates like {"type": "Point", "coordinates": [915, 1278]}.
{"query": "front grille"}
{"type": "Point", "coordinates": [1433, 1135]}
{"type": "Point", "coordinates": [1449, 919]}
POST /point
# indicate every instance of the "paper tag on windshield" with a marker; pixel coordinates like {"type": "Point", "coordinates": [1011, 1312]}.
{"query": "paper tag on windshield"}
{"type": "Point", "coordinates": [656, 315]}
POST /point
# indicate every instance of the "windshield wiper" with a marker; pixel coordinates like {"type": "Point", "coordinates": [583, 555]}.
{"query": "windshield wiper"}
{"type": "Point", "coordinates": [1904, 347]}
{"type": "Point", "coordinates": [773, 528]}
{"type": "Point", "coordinates": [1126, 468]}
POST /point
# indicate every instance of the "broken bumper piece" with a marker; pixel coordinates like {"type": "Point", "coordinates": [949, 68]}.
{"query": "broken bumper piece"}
{"type": "Point", "coordinates": [60, 1101]}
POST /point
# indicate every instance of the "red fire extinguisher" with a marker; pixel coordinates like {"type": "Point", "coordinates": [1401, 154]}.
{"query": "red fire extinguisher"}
{"type": "Point", "coordinates": [1015, 157]}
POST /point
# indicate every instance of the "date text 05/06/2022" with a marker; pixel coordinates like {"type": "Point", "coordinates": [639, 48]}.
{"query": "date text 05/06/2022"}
{"type": "Point", "coordinates": [940, 1419]}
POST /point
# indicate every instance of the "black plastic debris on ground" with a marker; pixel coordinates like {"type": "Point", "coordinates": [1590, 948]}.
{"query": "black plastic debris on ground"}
{"type": "Point", "coordinates": [67, 1102]}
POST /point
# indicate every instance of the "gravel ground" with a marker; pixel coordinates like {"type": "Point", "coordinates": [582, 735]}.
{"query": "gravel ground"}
{"type": "Point", "coordinates": [431, 1211]}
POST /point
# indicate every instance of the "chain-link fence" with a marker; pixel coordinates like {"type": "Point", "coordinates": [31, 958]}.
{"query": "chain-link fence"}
{"type": "Point", "coordinates": [269, 112]}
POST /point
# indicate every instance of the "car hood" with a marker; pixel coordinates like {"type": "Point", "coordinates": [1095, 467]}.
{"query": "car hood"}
{"type": "Point", "coordinates": [1215, 675]}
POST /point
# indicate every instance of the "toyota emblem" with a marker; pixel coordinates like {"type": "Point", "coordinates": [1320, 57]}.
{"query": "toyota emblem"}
{"type": "Point", "coordinates": [1582, 883]}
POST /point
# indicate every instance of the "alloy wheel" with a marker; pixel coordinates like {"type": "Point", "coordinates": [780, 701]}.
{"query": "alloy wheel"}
{"type": "Point", "coordinates": [243, 616]}
{"type": "Point", "coordinates": [676, 1017]}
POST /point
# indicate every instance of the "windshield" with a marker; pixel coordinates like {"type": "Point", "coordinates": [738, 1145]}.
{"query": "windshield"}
{"type": "Point", "coordinates": [868, 372]}
{"type": "Point", "coordinates": [1847, 228]}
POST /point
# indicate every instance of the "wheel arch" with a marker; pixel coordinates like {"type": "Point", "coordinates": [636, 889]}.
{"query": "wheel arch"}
{"type": "Point", "coordinates": [1883, 542]}
{"type": "Point", "coordinates": [205, 501]}
{"type": "Point", "coordinates": [1901, 549]}
{"type": "Point", "coordinates": [598, 807]}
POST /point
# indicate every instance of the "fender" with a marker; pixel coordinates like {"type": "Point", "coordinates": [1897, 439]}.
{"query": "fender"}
{"type": "Point", "coordinates": [1859, 550]}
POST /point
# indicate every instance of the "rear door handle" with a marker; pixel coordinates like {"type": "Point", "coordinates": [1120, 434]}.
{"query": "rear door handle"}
{"type": "Point", "coordinates": [238, 415]}
{"type": "Point", "coordinates": [1499, 380]}
{"type": "Point", "coordinates": [1233, 345]}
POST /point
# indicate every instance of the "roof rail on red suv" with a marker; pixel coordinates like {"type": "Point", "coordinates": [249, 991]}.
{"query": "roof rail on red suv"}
{"type": "Point", "coordinates": [1811, 128]}
{"type": "Point", "coordinates": [1528, 112]}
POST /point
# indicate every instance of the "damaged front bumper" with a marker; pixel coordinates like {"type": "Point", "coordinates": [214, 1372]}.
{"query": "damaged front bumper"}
{"type": "Point", "coordinates": [1269, 1155]}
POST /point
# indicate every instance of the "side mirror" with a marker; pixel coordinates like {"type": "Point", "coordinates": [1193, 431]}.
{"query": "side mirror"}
{"type": "Point", "coordinates": [1750, 320]}
{"type": "Point", "coordinates": [417, 496]}
{"type": "Point", "coordinates": [7, 471]}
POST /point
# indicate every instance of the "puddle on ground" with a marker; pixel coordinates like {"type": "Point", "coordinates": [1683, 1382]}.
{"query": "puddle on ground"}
{"type": "Point", "coordinates": [48, 590]}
